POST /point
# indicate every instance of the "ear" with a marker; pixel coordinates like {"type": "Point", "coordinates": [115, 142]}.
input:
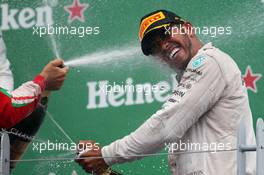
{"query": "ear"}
{"type": "Point", "coordinates": [189, 28]}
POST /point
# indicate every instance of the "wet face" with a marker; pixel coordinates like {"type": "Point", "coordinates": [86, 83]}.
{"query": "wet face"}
{"type": "Point", "coordinates": [175, 49]}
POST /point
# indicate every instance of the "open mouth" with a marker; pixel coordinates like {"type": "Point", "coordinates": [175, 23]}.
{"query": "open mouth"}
{"type": "Point", "coordinates": [174, 52]}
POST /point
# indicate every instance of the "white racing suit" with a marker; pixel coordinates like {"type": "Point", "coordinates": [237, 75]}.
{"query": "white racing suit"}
{"type": "Point", "coordinates": [203, 112]}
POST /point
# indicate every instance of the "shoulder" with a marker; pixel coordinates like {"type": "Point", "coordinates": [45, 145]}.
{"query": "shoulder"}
{"type": "Point", "coordinates": [203, 64]}
{"type": "Point", "coordinates": [225, 62]}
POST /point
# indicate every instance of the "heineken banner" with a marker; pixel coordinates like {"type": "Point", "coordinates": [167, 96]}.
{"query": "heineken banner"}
{"type": "Point", "coordinates": [111, 87]}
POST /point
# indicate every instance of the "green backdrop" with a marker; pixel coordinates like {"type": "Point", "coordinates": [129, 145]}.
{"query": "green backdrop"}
{"type": "Point", "coordinates": [117, 22]}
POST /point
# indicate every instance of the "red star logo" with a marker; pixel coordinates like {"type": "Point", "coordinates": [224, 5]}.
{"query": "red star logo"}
{"type": "Point", "coordinates": [250, 79]}
{"type": "Point", "coordinates": [76, 10]}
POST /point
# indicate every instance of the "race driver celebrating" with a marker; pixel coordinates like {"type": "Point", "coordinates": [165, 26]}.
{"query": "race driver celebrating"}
{"type": "Point", "coordinates": [206, 107]}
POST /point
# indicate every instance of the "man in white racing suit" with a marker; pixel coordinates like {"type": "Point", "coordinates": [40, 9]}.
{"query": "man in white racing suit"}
{"type": "Point", "coordinates": [203, 113]}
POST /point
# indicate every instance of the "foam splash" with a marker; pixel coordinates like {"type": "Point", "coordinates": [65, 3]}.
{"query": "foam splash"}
{"type": "Point", "coordinates": [54, 46]}
{"type": "Point", "coordinates": [55, 167]}
{"type": "Point", "coordinates": [103, 56]}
